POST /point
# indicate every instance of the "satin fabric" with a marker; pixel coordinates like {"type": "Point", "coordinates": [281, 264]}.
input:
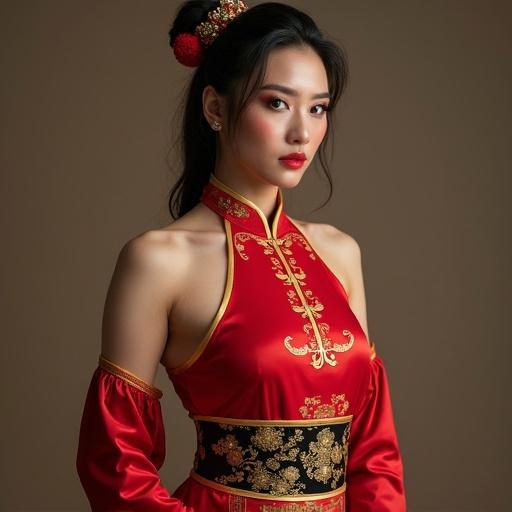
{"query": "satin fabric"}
{"type": "Point", "coordinates": [121, 447]}
{"type": "Point", "coordinates": [280, 296]}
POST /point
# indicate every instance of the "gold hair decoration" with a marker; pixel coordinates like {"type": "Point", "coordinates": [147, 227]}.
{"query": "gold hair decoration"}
{"type": "Point", "coordinates": [218, 19]}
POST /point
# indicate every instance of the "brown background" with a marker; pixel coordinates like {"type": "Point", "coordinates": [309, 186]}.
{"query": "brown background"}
{"type": "Point", "coordinates": [422, 181]}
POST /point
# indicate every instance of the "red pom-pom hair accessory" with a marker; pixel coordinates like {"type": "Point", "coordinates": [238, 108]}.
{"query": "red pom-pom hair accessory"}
{"type": "Point", "coordinates": [189, 48]}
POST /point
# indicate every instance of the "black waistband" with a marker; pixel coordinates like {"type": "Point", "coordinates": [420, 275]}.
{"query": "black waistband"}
{"type": "Point", "coordinates": [267, 458]}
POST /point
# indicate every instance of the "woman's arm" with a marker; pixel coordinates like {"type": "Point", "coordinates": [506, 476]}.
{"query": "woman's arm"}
{"type": "Point", "coordinates": [122, 439]}
{"type": "Point", "coordinates": [375, 471]}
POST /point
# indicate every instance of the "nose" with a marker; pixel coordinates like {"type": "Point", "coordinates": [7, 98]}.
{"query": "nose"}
{"type": "Point", "coordinates": [298, 131]}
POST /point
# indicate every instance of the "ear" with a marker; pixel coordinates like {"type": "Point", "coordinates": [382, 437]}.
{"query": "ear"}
{"type": "Point", "coordinates": [213, 105]}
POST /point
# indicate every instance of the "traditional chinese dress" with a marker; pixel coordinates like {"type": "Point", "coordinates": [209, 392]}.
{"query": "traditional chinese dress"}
{"type": "Point", "coordinates": [289, 399]}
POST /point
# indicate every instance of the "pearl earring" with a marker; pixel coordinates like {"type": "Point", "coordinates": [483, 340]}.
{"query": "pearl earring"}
{"type": "Point", "coordinates": [216, 126]}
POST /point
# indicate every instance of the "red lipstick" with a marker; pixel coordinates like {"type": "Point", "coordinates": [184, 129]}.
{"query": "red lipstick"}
{"type": "Point", "coordinates": [293, 160]}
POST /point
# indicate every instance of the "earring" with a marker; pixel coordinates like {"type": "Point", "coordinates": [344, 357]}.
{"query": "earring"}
{"type": "Point", "coordinates": [216, 126]}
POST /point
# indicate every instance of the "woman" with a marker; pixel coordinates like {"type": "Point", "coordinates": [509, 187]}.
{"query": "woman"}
{"type": "Point", "coordinates": [258, 318]}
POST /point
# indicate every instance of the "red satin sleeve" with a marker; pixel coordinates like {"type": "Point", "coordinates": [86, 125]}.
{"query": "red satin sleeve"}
{"type": "Point", "coordinates": [122, 444]}
{"type": "Point", "coordinates": [374, 469]}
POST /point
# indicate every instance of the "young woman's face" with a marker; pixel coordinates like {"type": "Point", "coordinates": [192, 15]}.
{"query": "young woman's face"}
{"type": "Point", "coordinates": [287, 115]}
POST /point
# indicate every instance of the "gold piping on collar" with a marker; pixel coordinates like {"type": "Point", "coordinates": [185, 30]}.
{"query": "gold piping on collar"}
{"type": "Point", "coordinates": [270, 231]}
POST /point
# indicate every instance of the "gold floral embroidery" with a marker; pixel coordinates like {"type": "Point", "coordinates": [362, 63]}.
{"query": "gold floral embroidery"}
{"type": "Point", "coordinates": [314, 408]}
{"type": "Point", "coordinates": [246, 460]}
{"type": "Point", "coordinates": [322, 461]}
{"type": "Point", "coordinates": [232, 207]}
{"type": "Point", "coordinates": [301, 299]}
{"type": "Point", "coordinates": [268, 438]}
{"type": "Point", "coordinates": [285, 243]}
{"type": "Point", "coordinates": [270, 459]}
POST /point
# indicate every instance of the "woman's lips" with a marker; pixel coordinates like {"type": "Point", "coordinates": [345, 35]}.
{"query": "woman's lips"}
{"type": "Point", "coordinates": [292, 163]}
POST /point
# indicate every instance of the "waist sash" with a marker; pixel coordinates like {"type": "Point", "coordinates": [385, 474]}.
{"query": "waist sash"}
{"type": "Point", "coordinates": [285, 459]}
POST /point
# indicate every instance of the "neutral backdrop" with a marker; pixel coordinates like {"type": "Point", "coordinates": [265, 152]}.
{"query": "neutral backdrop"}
{"type": "Point", "coordinates": [421, 172]}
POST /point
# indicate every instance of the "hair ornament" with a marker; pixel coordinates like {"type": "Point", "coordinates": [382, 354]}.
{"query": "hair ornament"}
{"type": "Point", "coordinates": [189, 48]}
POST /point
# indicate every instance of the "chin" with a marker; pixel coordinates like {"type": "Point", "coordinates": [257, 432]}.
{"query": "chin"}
{"type": "Point", "coordinates": [284, 180]}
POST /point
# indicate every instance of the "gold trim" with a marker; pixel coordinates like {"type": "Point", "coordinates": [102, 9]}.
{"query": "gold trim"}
{"type": "Point", "coordinates": [270, 232]}
{"type": "Point", "coordinates": [373, 351]}
{"type": "Point", "coordinates": [220, 311]}
{"type": "Point", "coordinates": [333, 274]}
{"type": "Point", "coordinates": [319, 257]}
{"type": "Point", "coordinates": [266, 496]}
{"type": "Point", "coordinates": [129, 377]}
{"type": "Point", "coordinates": [335, 504]}
{"type": "Point", "coordinates": [255, 422]}
{"type": "Point", "coordinates": [305, 305]}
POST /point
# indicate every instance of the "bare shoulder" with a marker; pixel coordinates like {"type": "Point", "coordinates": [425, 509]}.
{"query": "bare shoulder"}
{"type": "Point", "coordinates": [331, 240]}
{"type": "Point", "coordinates": [151, 249]}
{"type": "Point", "coordinates": [168, 252]}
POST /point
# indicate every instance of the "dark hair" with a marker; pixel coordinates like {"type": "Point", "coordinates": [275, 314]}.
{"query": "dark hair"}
{"type": "Point", "coordinates": [237, 57]}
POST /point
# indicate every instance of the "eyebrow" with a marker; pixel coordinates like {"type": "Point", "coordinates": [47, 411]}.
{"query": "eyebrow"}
{"type": "Point", "coordinates": [292, 92]}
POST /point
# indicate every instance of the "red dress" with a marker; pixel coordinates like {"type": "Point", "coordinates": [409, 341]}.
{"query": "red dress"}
{"type": "Point", "coordinates": [289, 399]}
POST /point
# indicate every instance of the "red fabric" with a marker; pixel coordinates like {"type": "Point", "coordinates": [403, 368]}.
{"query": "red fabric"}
{"type": "Point", "coordinates": [121, 447]}
{"type": "Point", "coordinates": [375, 471]}
{"type": "Point", "coordinates": [250, 368]}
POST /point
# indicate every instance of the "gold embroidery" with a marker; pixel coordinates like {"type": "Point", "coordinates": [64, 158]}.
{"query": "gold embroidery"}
{"type": "Point", "coordinates": [268, 438]}
{"type": "Point", "coordinates": [279, 473]}
{"type": "Point", "coordinates": [237, 503]}
{"type": "Point", "coordinates": [323, 455]}
{"type": "Point", "coordinates": [334, 505]}
{"type": "Point", "coordinates": [301, 299]}
{"type": "Point", "coordinates": [246, 460]}
{"type": "Point", "coordinates": [232, 207]}
{"type": "Point", "coordinates": [242, 237]}
{"type": "Point", "coordinates": [286, 242]}
{"type": "Point", "coordinates": [314, 408]}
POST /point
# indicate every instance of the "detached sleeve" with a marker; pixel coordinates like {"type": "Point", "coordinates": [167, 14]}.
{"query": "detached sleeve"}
{"type": "Point", "coordinates": [374, 468]}
{"type": "Point", "coordinates": [122, 444]}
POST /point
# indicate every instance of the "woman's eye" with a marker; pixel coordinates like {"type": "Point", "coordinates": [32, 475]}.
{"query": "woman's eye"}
{"type": "Point", "coordinates": [325, 107]}
{"type": "Point", "coordinates": [273, 101]}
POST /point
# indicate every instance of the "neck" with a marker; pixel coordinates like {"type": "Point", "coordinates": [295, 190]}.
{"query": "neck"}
{"type": "Point", "coordinates": [238, 208]}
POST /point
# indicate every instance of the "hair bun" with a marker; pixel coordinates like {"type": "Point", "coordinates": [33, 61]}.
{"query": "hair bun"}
{"type": "Point", "coordinates": [183, 39]}
{"type": "Point", "coordinates": [198, 23]}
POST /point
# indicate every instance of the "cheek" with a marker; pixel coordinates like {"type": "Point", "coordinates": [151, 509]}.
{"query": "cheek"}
{"type": "Point", "coordinates": [322, 131]}
{"type": "Point", "coordinates": [259, 128]}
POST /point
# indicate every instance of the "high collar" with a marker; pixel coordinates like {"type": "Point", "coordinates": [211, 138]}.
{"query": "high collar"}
{"type": "Point", "coordinates": [240, 210]}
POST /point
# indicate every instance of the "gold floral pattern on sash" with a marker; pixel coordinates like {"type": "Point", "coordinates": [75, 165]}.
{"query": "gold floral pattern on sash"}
{"type": "Point", "coordinates": [275, 460]}
{"type": "Point", "coordinates": [322, 461]}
